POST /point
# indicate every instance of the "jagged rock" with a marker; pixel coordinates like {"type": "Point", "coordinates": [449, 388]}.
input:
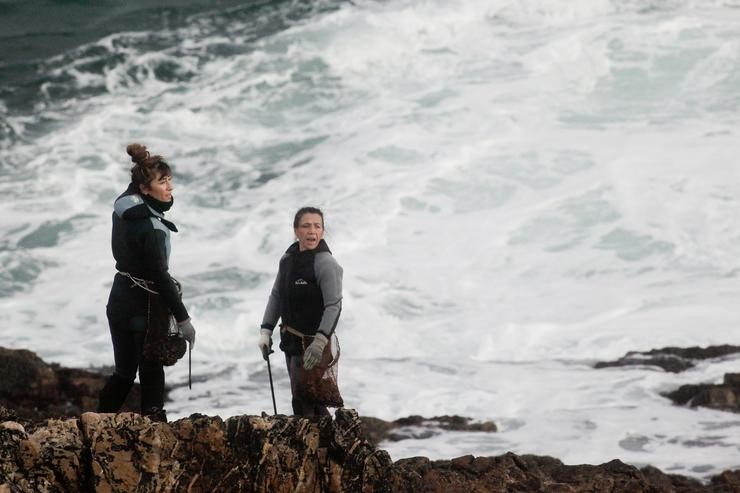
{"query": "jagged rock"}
{"type": "Point", "coordinates": [725, 396]}
{"type": "Point", "coordinates": [36, 390]}
{"type": "Point", "coordinates": [667, 362]}
{"type": "Point", "coordinates": [732, 379]}
{"type": "Point", "coordinates": [27, 380]}
{"type": "Point", "coordinates": [726, 482]}
{"type": "Point", "coordinates": [127, 452]}
{"type": "Point", "coordinates": [7, 415]}
{"type": "Point", "coordinates": [80, 388]}
{"type": "Point", "coordinates": [376, 430]}
{"type": "Point", "coordinates": [698, 353]}
{"type": "Point", "coordinates": [529, 473]}
{"type": "Point", "coordinates": [664, 482]}
{"type": "Point", "coordinates": [672, 359]}
{"type": "Point", "coordinates": [46, 460]}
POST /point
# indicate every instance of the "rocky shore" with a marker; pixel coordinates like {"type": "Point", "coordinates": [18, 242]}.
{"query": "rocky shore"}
{"type": "Point", "coordinates": [672, 359]}
{"type": "Point", "coordinates": [35, 390]}
{"type": "Point", "coordinates": [86, 451]}
{"type": "Point", "coordinates": [724, 396]}
{"type": "Point", "coordinates": [273, 454]}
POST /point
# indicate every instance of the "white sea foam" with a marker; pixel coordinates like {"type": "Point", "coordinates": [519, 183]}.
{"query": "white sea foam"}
{"type": "Point", "coordinates": [514, 192]}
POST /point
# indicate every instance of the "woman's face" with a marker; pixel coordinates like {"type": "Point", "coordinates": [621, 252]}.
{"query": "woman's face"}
{"type": "Point", "coordinates": [310, 231]}
{"type": "Point", "coordinates": [159, 188]}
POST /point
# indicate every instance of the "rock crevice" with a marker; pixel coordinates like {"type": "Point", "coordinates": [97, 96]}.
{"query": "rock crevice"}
{"type": "Point", "coordinates": [279, 454]}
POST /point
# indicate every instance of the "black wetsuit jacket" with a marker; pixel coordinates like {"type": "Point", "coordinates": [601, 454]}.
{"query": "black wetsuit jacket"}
{"type": "Point", "coordinates": [307, 295]}
{"type": "Point", "coordinates": [141, 247]}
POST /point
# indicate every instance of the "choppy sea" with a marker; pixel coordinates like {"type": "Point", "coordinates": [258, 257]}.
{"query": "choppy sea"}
{"type": "Point", "coordinates": [516, 189]}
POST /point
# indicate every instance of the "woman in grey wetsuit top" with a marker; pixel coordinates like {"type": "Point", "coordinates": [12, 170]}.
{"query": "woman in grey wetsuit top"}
{"type": "Point", "coordinates": [307, 298]}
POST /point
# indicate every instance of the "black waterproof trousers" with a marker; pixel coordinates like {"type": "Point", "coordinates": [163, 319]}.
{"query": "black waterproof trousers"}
{"type": "Point", "coordinates": [127, 318]}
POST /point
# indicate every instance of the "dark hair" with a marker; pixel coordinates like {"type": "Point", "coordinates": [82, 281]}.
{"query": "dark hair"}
{"type": "Point", "coordinates": [307, 210]}
{"type": "Point", "coordinates": [146, 167]}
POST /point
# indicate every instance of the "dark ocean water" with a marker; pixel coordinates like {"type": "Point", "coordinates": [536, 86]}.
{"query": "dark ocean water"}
{"type": "Point", "coordinates": [33, 30]}
{"type": "Point", "coordinates": [40, 39]}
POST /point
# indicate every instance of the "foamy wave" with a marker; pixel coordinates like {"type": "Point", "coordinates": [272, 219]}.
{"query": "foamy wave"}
{"type": "Point", "coordinates": [514, 192]}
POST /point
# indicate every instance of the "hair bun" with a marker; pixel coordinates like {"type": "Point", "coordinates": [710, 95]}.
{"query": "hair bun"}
{"type": "Point", "coordinates": [138, 153]}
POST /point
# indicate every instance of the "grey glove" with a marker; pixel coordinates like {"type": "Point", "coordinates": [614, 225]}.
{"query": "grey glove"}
{"type": "Point", "coordinates": [265, 343]}
{"type": "Point", "coordinates": [313, 353]}
{"type": "Point", "coordinates": [187, 331]}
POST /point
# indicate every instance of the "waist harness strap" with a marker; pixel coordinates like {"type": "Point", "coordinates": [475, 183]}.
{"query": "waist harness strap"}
{"type": "Point", "coordinates": [139, 282]}
{"type": "Point", "coordinates": [291, 330]}
{"type": "Point", "coordinates": [288, 328]}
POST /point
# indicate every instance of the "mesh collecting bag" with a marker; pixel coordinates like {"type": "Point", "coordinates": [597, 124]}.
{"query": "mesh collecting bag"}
{"type": "Point", "coordinates": [319, 384]}
{"type": "Point", "coordinates": [163, 342]}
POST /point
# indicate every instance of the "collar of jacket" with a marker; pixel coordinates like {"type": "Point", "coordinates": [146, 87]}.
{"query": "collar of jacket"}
{"type": "Point", "coordinates": [158, 205]}
{"type": "Point", "coordinates": [131, 205]}
{"type": "Point", "coordinates": [295, 248]}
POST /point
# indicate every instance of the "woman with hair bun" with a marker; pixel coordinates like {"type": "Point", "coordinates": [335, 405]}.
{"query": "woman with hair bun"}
{"type": "Point", "coordinates": [141, 248]}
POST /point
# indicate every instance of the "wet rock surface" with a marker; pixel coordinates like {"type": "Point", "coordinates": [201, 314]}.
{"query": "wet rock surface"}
{"type": "Point", "coordinates": [376, 430]}
{"type": "Point", "coordinates": [90, 452]}
{"type": "Point", "coordinates": [36, 390]}
{"type": "Point", "coordinates": [724, 396]}
{"type": "Point", "coordinates": [127, 452]}
{"type": "Point", "coordinates": [671, 359]}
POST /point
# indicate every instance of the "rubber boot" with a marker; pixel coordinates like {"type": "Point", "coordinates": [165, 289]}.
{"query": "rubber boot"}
{"type": "Point", "coordinates": [155, 414]}
{"type": "Point", "coordinates": [151, 376]}
{"type": "Point", "coordinates": [113, 394]}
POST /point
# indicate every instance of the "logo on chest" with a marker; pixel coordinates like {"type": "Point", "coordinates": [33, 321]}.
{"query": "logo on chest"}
{"type": "Point", "coordinates": [300, 282]}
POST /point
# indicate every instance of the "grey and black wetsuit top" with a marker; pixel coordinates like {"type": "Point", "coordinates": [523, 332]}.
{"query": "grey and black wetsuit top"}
{"type": "Point", "coordinates": [141, 245]}
{"type": "Point", "coordinates": [306, 295]}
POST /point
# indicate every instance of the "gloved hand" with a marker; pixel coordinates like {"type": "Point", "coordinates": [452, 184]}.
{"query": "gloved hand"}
{"type": "Point", "coordinates": [265, 343]}
{"type": "Point", "coordinates": [313, 353]}
{"type": "Point", "coordinates": [187, 331]}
